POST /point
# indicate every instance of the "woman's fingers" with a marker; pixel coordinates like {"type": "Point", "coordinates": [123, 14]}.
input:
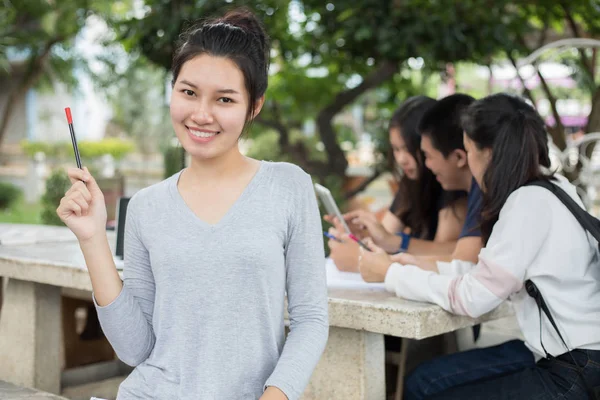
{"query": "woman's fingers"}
{"type": "Point", "coordinates": [81, 202]}
{"type": "Point", "coordinates": [78, 175]}
{"type": "Point", "coordinates": [76, 201]}
{"type": "Point", "coordinates": [69, 206]}
{"type": "Point", "coordinates": [79, 187]}
{"type": "Point", "coordinates": [363, 215]}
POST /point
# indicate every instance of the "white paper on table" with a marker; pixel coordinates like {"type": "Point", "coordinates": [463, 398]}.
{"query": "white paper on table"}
{"type": "Point", "coordinates": [337, 279]}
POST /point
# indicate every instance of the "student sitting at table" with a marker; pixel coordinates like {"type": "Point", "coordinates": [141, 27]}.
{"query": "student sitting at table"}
{"type": "Point", "coordinates": [433, 216]}
{"type": "Point", "coordinates": [440, 134]}
{"type": "Point", "coordinates": [530, 237]}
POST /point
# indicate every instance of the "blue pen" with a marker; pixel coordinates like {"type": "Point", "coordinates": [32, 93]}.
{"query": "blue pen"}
{"type": "Point", "coordinates": [330, 236]}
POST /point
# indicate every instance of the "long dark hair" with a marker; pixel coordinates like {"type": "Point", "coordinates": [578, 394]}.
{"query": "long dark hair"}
{"type": "Point", "coordinates": [417, 199]}
{"type": "Point", "coordinates": [517, 137]}
{"type": "Point", "coordinates": [238, 36]}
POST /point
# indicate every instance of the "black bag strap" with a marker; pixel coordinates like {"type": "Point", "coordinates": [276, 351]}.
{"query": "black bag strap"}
{"type": "Point", "coordinates": [591, 225]}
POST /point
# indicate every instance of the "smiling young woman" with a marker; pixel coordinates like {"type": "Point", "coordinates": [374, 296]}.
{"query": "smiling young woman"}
{"type": "Point", "coordinates": [211, 252]}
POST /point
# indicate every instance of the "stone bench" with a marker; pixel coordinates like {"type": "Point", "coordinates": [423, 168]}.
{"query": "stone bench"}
{"type": "Point", "coordinates": [8, 391]}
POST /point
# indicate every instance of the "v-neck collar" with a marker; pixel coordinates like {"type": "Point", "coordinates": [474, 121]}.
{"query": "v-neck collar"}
{"type": "Point", "coordinates": [233, 210]}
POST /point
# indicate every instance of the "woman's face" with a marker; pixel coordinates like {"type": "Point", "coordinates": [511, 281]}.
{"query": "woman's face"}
{"type": "Point", "coordinates": [402, 156]}
{"type": "Point", "coordinates": [208, 106]}
{"type": "Point", "coordinates": [479, 159]}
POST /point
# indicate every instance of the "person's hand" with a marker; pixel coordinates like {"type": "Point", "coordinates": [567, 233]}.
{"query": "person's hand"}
{"type": "Point", "coordinates": [273, 393]}
{"type": "Point", "coordinates": [368, 221]}
{"type": "Point", "coordinates": [82, 208]}
{"type": "Point", "coordinates": [358, 231]}
{"type": "Point", "coordinates": [345, 253]}
{"type": "Point", "coordinates": [373, 265]}
{"type": "Point", "coordinates": [405, 259]}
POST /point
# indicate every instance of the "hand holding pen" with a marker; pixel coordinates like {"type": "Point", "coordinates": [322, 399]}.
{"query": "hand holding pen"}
{"type": "Point", "coordinates": [351, 236]}
{"type": "Point", "coordinates": [82, 208]}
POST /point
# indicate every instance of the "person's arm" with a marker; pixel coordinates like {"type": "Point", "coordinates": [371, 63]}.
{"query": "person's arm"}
{"type": "Point", "coordinates": [450, 221]}
{"type": "Point", "coordinates": [307, 295]}
{"type": "Point", "coordinates": [465, 253]}
{"type": "Point", "coordinates": [127, 320]}
{"type": "Point", "coordinates": [501, 268]}
{"type": "Point", "coordinates": [467, 249]}
{"type": "Point", "coordinates": [124, 310]}
{"type": "Point", "coordinates": [83, 210]}
{"type": "Point", "coordinates": [391, 222]}
{"type": "Point", "coordinates": [421, 247]}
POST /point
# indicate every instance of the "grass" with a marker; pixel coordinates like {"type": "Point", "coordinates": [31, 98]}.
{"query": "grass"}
{"type": "Point", "coordinates": [22, 213]}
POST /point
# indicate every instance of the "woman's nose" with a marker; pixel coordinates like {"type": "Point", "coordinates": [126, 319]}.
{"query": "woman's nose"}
{"type": "Point", "coordinates": [202, 115]}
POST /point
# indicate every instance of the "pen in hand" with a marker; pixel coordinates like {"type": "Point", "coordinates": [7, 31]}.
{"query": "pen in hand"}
{"type": "Point", "coordinates": [330, 236]}
{"type": "Point", "coordinates": [361, 244]}
{"type": "Point", "coordinates": [73, 139]}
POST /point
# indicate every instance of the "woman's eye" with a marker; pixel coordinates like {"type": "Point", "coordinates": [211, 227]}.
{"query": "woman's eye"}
{"type": "Point", "coordinates": [188, 92]}
{"type": "Point", "coordinates": [225, 100]}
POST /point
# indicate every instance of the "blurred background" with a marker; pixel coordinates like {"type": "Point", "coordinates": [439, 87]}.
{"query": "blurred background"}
{"type": "Point", "coordinates": [338, 70]}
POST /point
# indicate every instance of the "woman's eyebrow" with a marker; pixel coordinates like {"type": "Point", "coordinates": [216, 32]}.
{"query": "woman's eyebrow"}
{"type": "Point", "coordinates": [223, 91]}
{"type": "Point", "coordinates": [228, 91]}
{"type": "Point", "coordinates": [189, 84]}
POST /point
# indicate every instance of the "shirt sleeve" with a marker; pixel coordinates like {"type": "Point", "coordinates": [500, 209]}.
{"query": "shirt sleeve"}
{"type": "Point", "coordinates": [127, 321]}
{"type": "Point", "coordinates": [307, 296]}
{"type": "Point", "coordinates": [516, 239]}
{"type": "Point", "coordinates": [454, 267]}
{"type": "Point", "coordinates": [472, 221]}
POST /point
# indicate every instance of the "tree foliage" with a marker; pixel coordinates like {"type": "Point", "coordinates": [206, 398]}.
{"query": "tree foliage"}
{"type": "Point", "coordinates": [329, 56]}
{"type": "Point", "coordinates": [36, 44]}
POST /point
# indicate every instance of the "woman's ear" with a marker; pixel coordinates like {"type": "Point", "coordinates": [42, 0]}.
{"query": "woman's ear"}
{"type": "Point", "coordinates": [257, 107]}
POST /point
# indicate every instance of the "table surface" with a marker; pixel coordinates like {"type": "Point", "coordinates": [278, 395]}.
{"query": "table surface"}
{"type": "Point", "coordinates": [9, 391]}
{"type": "Point", "coordinates": [62, 264]}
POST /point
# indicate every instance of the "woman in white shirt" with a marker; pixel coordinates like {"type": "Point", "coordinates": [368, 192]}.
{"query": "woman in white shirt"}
{"type": "Point", "coordinates": [528, 234]}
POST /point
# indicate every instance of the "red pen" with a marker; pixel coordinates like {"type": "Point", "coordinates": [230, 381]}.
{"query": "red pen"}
{"type": "Point", "coordinates": [364, 246]}
{"type": "Point", "coordinates": [73, 139]}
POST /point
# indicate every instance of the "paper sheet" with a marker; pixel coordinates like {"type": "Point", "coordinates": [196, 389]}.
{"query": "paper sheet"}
{"type": "Point", "coordinates": [337, 279]}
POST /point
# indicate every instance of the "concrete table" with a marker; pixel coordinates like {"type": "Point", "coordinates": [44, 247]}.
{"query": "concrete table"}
{"type": "Point", "coordinates": [352, 366]}
{"type": "Point", "coordinates": [8, 391]}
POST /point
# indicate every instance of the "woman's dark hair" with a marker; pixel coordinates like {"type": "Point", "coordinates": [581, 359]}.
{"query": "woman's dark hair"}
{"type": "Point", "coordinates": [517, 137]}
{"type": "Point", "coordinates": [238, 36]}
{"type": "Point", "coordinates": [417, 201]}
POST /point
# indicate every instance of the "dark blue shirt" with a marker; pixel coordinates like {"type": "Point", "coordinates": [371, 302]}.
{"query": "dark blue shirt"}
{"type": "Point", "coordinates": [471, 226]}
{"type": "Point", "coordinates": [445, 199]}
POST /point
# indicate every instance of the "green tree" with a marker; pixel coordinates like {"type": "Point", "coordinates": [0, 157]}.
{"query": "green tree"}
{"type": "Point", "coordinates": [139, 103]}
{"type": "Point", "coordinates": [40, 34]}
{"type": "Point", "coordinates": [56, 186]}
{"type": "Point", "coordinates": [331, 55]}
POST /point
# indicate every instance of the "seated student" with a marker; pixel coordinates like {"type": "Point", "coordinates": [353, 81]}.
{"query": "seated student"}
{"type": "Point", "coordinates": [420, 204]}
{"type": "Point", "coordinates": [445, 156]}
{"type": "Point", "coordinates": [529, 234]}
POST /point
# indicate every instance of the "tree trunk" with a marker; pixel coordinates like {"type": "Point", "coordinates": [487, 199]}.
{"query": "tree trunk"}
{"type": "Point", "coordinates": [34, 71]}
{"type": "Point", "coordinates": [593, 124]}
{"type": "Point", "coordinates": [558, 130]}
{"type": "Point", "coordinates": [14, 96]}
{"type": "Point", "coordinates": [526, 90]}
{"type": "Point", "coordinates": [336, 159]}
{"type": "Point", "coordinates": [297, 151]}
{"type": "Point", "coordinates": [337, 162]}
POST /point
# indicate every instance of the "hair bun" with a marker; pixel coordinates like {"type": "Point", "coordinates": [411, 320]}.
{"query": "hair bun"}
{"type": "Point", "coordinates": [246, 20]}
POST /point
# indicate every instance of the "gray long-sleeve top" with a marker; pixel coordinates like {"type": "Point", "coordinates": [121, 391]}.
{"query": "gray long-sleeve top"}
{"type": "Point", "coordinates": [201, 313]}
